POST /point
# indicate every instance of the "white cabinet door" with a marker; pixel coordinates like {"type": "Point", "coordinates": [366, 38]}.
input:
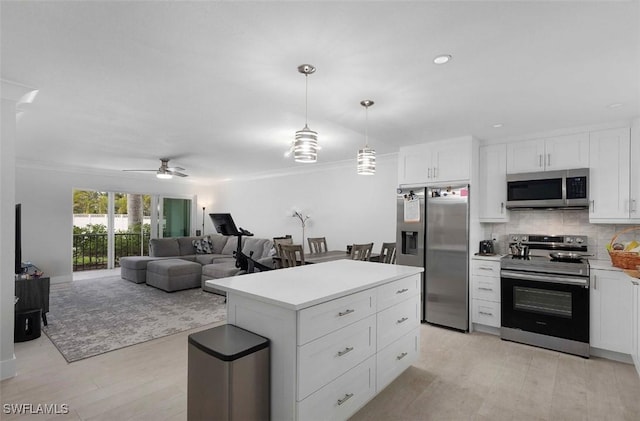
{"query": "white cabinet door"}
{"type": "Point", "coordinates": [566, 152]}
{"type": "Point", "coordinates": [451, 161]}
{"type": "Point", "coordinates": [414, 161]}
{"type": "Point", "coordinates": [435, 162]}
{"type": "Point", "coordinates": [636, 324]}
{"type": "Point", "coordinates": [610, 311]}
{"type": "Point", "coordinates": [526, 156]}
{"type": "Point", "coordinates": [492, 183]}
{"type": "Point", "coordinates": [609, 175]}
{"type": "Point", "coordinates": [635, 173]}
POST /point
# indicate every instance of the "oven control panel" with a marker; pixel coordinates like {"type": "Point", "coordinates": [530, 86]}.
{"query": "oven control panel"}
{"type": "Point", "coordinates": [551, 242]}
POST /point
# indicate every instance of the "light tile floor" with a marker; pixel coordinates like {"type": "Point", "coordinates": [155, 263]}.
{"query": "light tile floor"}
{"type": "Point", "coordinates": [458, 377]}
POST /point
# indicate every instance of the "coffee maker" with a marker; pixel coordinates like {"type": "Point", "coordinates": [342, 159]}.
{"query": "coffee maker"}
{"type": "Point", "coordinates": [486, 247]}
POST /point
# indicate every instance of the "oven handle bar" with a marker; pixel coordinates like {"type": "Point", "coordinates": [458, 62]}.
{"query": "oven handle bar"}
{"type": "Point", "coordinates": [545, 278]}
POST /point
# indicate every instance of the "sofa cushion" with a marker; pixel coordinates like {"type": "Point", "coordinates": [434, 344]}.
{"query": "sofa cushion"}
{"type": "Point", "coordinates": [220, 269]}
{"type": "Point", "coordinates": [164, 247]}
{"type": "Point", "coordinates": [205, 259]}
{"type": "Point", "coordinates": [230, 246]}
{"type": "Point", "coordinates": [261, 247]}
{"type": "Point", "coordinates": [218, 242]}
{"type": "Point", "coordinates": [202, 245]}
{"type": "Point", "coordinates": [185, 245]}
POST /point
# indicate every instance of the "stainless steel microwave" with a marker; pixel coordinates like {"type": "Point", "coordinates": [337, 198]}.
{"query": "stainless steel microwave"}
{"type": "Point", "coordinates": [549, 189]}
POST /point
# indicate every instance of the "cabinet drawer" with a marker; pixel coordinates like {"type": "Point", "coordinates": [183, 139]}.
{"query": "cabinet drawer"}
{"type": "Point", "coordinates": [397, 321]}
{"type": "Point", "coordinates": [485, 268]}
{"type": "Point", "coordinates": [485, 312]}
{"type": "Point", "coordinates": [397, 291]}
{"type": "Point", "coordinates": [326, 358]}
{"type": "Point", "coordinates": [395, 358]}
{"type": "Point", "coordinates": [318, 320]}
{"type": "Point", "coordinates": [485, 288]}
{"type": "Point", "coordinates": [342, 397]}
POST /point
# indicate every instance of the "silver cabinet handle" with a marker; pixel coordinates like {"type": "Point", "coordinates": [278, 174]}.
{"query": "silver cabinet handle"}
{"type": "Point", "coordinates": [593, 205]}
{"type": "Point", "coordinates": [347, 396]}
{"type": "Point", "coordinates": [486, 313]}
{"type": "Point", "coordinates": [404, 319]}
{"type": "Point", "coordinates": [540, 161]}
{"type": "Point", "coordinates": [595, 281]}
{"type": "Point", "coordinates": [548, 160]}
{"type": "Point", "coordinates": [401, 356]}
{"type": "Point", "coordinates": [633, 205]}
{"type": "Point", "coordinates": [485, 289]}
{"type": "Point", "coordinates": [345, 351]}
{"type": "Point", "coordinates": [435, 172]}
{"type": "Point", "coordinates": [485, 268]}
{"type": "Point", "coordinates": [429, 173]}
{"type": "Point", "coordinates": [344, 313]}
{"type": "Point", "coordinates": [401, 291]}
{"type": "Point", "coordinates": [501, 207]}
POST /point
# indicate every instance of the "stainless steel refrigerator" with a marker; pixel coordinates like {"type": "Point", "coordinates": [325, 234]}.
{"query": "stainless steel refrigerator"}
{"type": "Point", "coordinates": [433, 232]}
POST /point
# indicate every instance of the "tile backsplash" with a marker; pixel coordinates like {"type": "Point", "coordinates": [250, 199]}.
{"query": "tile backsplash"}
{"type": "Point", "coordinates": [559, 222]}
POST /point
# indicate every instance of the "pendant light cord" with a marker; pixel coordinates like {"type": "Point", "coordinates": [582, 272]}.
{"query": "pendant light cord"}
{"type": "Point", "coordinates": [366, 126]}
{"type": "Point", "coordinates": [306, 99]}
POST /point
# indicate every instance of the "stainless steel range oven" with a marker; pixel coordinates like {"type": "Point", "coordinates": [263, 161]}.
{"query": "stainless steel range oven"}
{"type": "Point", "coordinates": [545, 300]}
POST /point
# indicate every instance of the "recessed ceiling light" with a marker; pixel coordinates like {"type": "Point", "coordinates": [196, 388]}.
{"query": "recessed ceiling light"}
{"type": "Point", "coordinates": [442, 59]}
{"type": "Point", "coordinates": [615, 105]}
{"type": "Point", "coordinates": [497, 126]}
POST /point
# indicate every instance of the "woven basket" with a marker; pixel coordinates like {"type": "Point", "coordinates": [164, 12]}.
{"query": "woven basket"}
{"type": "Point", "coordinates": [624, 259]}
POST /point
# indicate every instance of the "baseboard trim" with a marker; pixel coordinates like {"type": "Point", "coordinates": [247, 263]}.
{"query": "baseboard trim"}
{"type": "Point", "coordinates": [611, 355]}
{"type": "Point", "coordinates": [8, 368]}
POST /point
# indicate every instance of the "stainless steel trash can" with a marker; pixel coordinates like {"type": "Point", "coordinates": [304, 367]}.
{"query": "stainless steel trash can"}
{"type": "Point", "coordinates": [228, 375]}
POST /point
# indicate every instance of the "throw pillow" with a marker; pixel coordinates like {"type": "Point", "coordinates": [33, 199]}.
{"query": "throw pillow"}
{"type": "Point", "coordinates": [202, 246]}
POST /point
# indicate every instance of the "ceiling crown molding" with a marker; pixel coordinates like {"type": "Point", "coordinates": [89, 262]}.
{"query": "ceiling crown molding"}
{"type": "Point", "coordinates": [17, 92]}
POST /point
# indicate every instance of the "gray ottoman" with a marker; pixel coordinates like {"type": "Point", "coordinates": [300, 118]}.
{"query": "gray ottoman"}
{"type": "Point", "coordinates": [173, 274]}
{"type": "Point", "coordinates": [134, 268]}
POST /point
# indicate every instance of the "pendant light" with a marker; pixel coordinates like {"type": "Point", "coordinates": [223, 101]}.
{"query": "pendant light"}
{"type": "Point", "coordinates": [305, 146]}
{"type": "Point", "coordinates": [366, 155]}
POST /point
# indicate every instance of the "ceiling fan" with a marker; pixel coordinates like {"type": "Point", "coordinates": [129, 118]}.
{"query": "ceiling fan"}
{"type": "Point", "coordinates": [165, 171]}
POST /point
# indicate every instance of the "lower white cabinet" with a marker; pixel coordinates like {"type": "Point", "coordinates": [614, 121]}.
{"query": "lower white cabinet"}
{"type": "Point", "coordinates": [329, 359]}
{"type": "Point", "coordinates": [610, 323]}
{"type": "Point", "coordinates": [635, 337]}
{"type": "Point", "coordinates": [342, 397]}
{"type": "Point", "coordinates": [485, 292]}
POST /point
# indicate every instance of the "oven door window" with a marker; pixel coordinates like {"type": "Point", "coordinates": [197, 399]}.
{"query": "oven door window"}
{"type": "Point", "coordinates": [542, 301]}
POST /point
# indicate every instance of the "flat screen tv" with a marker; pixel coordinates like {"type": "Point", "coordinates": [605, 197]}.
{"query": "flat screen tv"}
{"type": "Point", "coordinates": [223, 222]}
{"type": "Point", "coordinates": [18, 266]}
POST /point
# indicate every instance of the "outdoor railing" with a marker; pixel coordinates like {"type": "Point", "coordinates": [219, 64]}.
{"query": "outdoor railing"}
{"type": "Point", "coordinates": [90, 250]}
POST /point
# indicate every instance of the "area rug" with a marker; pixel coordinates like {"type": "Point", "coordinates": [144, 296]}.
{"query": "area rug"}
{"type": "Point", "coordinates": [94, 316]}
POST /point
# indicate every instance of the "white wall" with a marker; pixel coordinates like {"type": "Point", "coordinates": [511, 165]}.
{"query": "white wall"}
{"type": "Point", "coordinates": [345, 208]}
{"type": "Point", "coordinates": [46, 196]}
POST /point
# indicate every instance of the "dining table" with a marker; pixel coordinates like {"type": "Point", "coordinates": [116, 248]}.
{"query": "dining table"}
{"type": "Point", "coordinates": [331, 255]}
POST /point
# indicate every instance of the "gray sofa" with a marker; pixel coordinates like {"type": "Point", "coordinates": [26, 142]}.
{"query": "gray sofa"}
{"type": "Point", "coordinates": [218, 263]}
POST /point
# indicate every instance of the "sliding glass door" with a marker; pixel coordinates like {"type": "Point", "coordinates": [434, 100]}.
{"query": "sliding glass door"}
{"type": "Point", "coordinates": [176, 217]}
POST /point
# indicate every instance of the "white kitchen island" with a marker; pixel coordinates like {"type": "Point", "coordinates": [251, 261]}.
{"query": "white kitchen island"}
{"type": "Point", "coordinates": [339, 331]}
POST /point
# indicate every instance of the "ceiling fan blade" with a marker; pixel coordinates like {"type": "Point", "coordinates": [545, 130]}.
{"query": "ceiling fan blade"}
{"type": "Point", "coordinates": [139, 170]}
{"type": "Point", "coordinates": [175, 168]}
{"type": "Point", "coordinates": [176, 173]}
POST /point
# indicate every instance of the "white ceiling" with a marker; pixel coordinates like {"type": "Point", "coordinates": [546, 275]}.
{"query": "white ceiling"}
{"type": "Point", "coordinates": [215, 87]}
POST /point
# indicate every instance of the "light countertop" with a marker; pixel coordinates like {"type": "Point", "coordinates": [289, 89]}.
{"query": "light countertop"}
{"type": "Point", "coordinates": [494, 258]}
{"type": "Point", "coordinates": [602, 265]}
{"type": "Point", "coordinates": [305, 286]}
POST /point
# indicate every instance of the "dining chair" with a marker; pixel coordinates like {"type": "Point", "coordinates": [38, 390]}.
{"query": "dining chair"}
{"type": "Point", "coordinates": [277, 241]}
{"type": "Point", "coordinates": [361, 251]}
{"type": "Point", "coordinates": [317, 245]}
{"type": "Point", "coordinates": [292, 255]}
{"type": "Point", "coordinates": [388, 253]}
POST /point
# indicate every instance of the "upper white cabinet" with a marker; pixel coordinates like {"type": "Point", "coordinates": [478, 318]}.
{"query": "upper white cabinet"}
{"type": "Point", "coordinates": [435, 162]}
{"type": "Point", "coordinates": [634, 213]}
{"type": "Point", "coordinates": [553, 153]}
{"type": "Point", "coordinates": [610, 324]}
{"type": "Point", "coordinates": [492, 183]}
{"type": "Point", "coordinates": [609, 176]}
